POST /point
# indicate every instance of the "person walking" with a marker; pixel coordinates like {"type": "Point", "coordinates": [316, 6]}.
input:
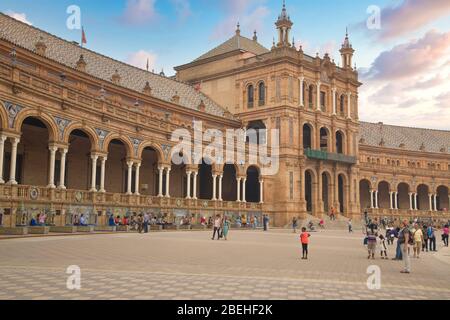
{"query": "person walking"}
{"type": "Point", "coordinates": [146, 222]}
{"type": "Point", "coordinates": [425, 238]}
{"type": "Point", "coordinates": [445, 232]}
{"type": "Point", "coordinates": [431, 237]}
{"type": "Point", "coordinates": [304, 239]}
{"type": "Point", "coordinates": [383, 247]}
{"type": "Point", "coordinates": [350, 226]}
{"type": "Point", "coordinates": [217, 225]}
{"type": "Point", "coordinates": [294, 224]}
{"type": "Point", "coordinates": [418, 240]}
{"type": "Point", "coordinates": [405, 238]}
{"type": "Point", "coordinates": [225, 227]}
{"type": "Point", "coordinates": [398, 251]}
{"type": "Point", "coordinates": [140, 223]}
{"type": "Point", "coordinates": [371, 242]}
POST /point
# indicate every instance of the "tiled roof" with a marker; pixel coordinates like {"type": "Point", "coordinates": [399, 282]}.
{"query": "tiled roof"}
{"type": "Point", "coordinates": [102, 67]}
{"type": "Point", "coordinates": [235, 43]}
{"type": "Point", "coordinates": [414, 139]}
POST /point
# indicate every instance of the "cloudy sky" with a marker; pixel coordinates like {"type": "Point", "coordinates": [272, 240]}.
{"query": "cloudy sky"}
{"type": "Point", "coordinates": [404, 63]}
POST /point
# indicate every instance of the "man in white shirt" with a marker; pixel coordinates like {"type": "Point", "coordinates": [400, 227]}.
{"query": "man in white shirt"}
{"type": "Point", "coordinates": [217, 226]}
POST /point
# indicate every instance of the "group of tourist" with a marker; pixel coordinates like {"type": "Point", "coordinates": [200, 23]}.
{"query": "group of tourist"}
{"type": "Point", "coordinates": [140, 222]}
{"type": "Point", "coordinates": [412, 237]}
{"type": "Point", "coordinates": [40, 220]}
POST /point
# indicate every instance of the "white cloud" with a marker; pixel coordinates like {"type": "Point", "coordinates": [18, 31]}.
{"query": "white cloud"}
{"type": "Point", "coordinates": [139, 59]}
{"type": "Point", "coordinates": [139, 12]}
{"type": "Point", "coordinates": [19, 16]}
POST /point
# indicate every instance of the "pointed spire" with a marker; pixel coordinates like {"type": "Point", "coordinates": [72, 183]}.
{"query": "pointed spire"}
{"type": "Point", "coordinates": [255, 36]}
{"type": "Point", "coordinates": [346, 43]}
{"type": "Point", "coordinates": [238, 29]}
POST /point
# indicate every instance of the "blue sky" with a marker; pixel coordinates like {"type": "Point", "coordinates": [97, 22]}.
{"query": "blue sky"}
{"type": "Point", "coordinates": [174, 32]}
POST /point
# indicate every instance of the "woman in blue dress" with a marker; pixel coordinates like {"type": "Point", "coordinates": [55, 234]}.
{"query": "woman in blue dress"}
{"type": "Point", "coordinates": [225, 227]}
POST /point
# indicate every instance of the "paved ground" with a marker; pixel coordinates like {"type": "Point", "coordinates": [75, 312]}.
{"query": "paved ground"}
{"type": "Point", "coordinates": [189, 265]}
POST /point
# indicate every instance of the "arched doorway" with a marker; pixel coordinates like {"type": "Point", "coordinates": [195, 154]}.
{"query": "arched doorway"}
{"type": "Point", "coordinates": [384, 200]}
{"type": "Point", "coordinates": [116, 177]}
{"type": "Point", "coordinates": [309, 191]}
{"type": "Point", "coordinates": [307, 136]}
{"type": "Point", "coordinates": [423, 200]}
{"type": "Point", "coordinates": [229, 183]}
{"type": "Point", "coordinates": [364, 194]}
{"type": "Point", "coordinates": [341, 193]}
{"type": "Point", "coordinates": [442, 198]}
{"type": "Point", "coordinates": [78, 163]}
{"type": "Point", "coordinates": [403, 196]}
{"type": "Point", "coordinates": [149, 173]}
{"type": "Point", "coordinates": [178, 179]}
{"type": "Point", "coordinates": [252, 188]}
{"type": "Point", "coordinates": [205, 180]}
{"type": "Point", "coordinates": [326, 191]}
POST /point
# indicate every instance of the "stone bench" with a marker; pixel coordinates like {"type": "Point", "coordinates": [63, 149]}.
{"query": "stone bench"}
{"type": "Point", "coordinates": [65, 229]}
{"type": "Point", "coordinates": [123, 228]}
{"type": "Point", "coordinates": [156, 227]}
{"type": "Point", "coordinates": [85, 229]}
{"type": "Point", "coordinates": [15, 231]}
{"type": "Point", "coordinates": [184, 227]}
{"type": "Point", "coordinates": [106, 228]}
{"type": "Point", "coordinates": [38, 230]}
{"type": "Point", "coordinates": [170, 227]}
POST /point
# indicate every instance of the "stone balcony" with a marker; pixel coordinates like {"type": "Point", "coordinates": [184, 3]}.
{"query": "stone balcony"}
{"type": "Point", "coordinates": [328, 156]}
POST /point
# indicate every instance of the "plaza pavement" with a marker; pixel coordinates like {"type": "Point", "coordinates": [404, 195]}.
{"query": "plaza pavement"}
{"type": "Point", "coordinates": [189, 265]}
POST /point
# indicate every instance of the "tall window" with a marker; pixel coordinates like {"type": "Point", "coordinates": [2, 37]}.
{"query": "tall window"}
{"type": "Point", "coordinates": [262, 93]}
{"type": "Point", "coordinates": [250, 96]}
{"type": "Point", "coordinates": [323, 97]}
{"type": "Point", "coordinates": [342, 105]}
{"type": "Point", "coordinates": [310, 96]}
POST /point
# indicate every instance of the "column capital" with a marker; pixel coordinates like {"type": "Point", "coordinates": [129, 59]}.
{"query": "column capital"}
{"type": "Point", "coordinates": [53, 148]}
{"type": "Point", "coordinates": [130, 163]}
{"type": "Point", "coordinates": [63, 151]}
{"type": "Point", "coordinates": [14, 140]}
{"type": "Point", "coordinates": [137, 164]}
{"type": "Point", "coordinates": [3, 138]}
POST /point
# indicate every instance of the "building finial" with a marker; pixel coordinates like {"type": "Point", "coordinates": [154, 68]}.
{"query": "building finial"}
{"type": "Point", "coordinates": [238, 29]}
{"type": "Point", "coordinates": [255, 36]}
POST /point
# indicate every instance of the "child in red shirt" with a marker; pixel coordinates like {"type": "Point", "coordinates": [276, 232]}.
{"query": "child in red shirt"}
{"type": "Point", "coordinates": [304, 239]}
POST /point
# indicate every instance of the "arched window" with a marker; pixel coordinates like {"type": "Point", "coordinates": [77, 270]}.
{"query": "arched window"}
{"type": "Point", "coordinates": [340, 144]}
{"type": "Point", "coordinates": [342, 105]}
{"type": "Point", "coordinates": [250, 96]}
{"type": "Point", "coordinates": [262, 94]}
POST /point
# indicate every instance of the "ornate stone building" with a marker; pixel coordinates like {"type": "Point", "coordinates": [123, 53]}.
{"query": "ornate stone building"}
{"type": "Point", "coordinates": [82, 133]}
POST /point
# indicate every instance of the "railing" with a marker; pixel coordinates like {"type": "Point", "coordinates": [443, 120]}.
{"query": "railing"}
{"type": "Point", "coordinates": [404, 170]}
{"type": "Point", "coordinates": [406, 213]}
{"type": "Point", "coordinates": [43, 195]}
{"type": "Point", "coordinates": [328, 156]}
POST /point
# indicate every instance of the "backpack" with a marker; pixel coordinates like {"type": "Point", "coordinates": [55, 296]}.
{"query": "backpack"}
{"type": "Point", "coordinates": [411, 237]}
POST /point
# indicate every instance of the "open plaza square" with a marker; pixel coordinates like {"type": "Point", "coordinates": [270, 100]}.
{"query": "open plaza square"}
{"type": "Point", "coordinates": [188, 265]}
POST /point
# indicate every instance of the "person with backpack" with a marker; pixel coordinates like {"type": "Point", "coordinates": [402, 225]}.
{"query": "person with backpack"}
{"type": "Point", "coordinates": [431, 237]}
{"type": "Point", "coordinates": [405, 239]}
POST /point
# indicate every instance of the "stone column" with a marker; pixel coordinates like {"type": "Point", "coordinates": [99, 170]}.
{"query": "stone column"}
{"type": "Point", "coordinates": [195, 186]}
{"type": "Point", "coordinates": [410, 201]}
{"type": "Point", "coordinates": [220, 187]}
{"type": "Point", "coordinates": [261, 191]}
{"type": "Point", "coordinates": [376, 199]}
{"type": "Point", "coordinates": [334, 101]}
{"type": "Point", "coordinates": [238, 199]}
{"type": "Point", "coordinates": [371, 199]}
{"type": "Point", "coordinates": [2, 155]}
{"type": "Point", "coordinates": [214, 197]}
{"type": "Point", "coordinates": [244, 189]}
{"type": "Point", "coordinates": [130, 174]}
{"type": "Point", "coordinates": [395, 200]}
{"type": "Point", "coordinates": [435, 203]}
{"type": "Point", "coordinates": [168, 182]}
{"type": "Point", "coordinates": [62, 171]}
{"type": "Point", "coordinates": [51, 172]}
{"type": "Point", "coordinates": [391, 206]}
{"type": "Point", "coordinates": [415, 202]}
{"type": "Point", "coordinates": [318, 95]}
{"type": "Point", "coordinates": [12, 171]}
{"type": "Point", "coordinates": [349, 105]}
{"type": "Point", "coordinates": [188, 185]}
{"type": "Point", "coordinates": [160, 185]}
{"type": "Point", "coordinates": [94, 173]}
{"type": "Point", "coordinates": [136, 179]}
{"type": "Point", "coordinates": [102, 175]}
{"type": "Point", "coordinates": [430, 196]}
{"type": "Point", "coordinates": [302, 84]}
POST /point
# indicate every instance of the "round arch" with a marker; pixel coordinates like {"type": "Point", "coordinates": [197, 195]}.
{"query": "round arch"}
{"type": "Point", "coordinates": [308, 135]}
{"type": "Point", "coordinates": [87, 130]}
{"type": "Point", "coordinates": [154, 146]}
{"type": "Point", "coordinates": [423, 191]}
{"type": "Point", "coordinates": [384, 189]}
{"type": "Point", "coordinates": [443, 200]}
{"type": "Point", "coordinates": [364, 193]}
{"type": "Point", "coordinates": [253, 174]}
{"type": "Point", "coordinates": [128, 146]}
{"type": "Point", "coordinates": [403, 190]}
{"type": "Point", "coordinates": [308, 187]}
{"type": "Point", "coordinates": [340, 139]}
{"type": "Point", "coordinates": [46, 119]}
{"type": "Point", "coordinates": [325, 139]}
{"type": "Point", "coordinates": [3, 116]}
{"type": "Point", "coordinates": [327, 190]}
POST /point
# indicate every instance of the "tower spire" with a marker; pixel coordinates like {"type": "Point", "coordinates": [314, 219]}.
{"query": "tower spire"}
{"type": "Point", "coordinates": [347, 52]}
{"type": "Point", "coordinates": [284, 25]}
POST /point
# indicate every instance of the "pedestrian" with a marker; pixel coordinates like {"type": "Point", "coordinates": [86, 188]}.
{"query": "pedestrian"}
{"type": "Point", "coordinates": [265, 222]}
{"type": "Point", "coordinates": [304, 239]}
{"type": "Point", "coordinates": [140, 223]}
{"type": "Point", "coordinates": [431, 237]}
{"type": "Point", "coordinates": [371, 242]}
{"type": "Point", "coordinates": [217, 225]}
{"type": "Point", "coordinates": [146, 222]}
{"type": "Point", "coordinates": [418, 240]}
{"type": "Point", "coordinates": [425, 239]}
{"type": "Point", "coordinates": [350, 227]}
{"type": "Point", "coordinates": [405, 238]}
{"type": "Point", "coordinates": [294, 224]}
{"type": "Point", "coordinates": [225, 227]}
{"type": "Point", "coordinates": [445, 232]}
{"type": "Point", "coordinates": [322, 224]}
{"type": "Point", "coordinates": [383, 247]}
